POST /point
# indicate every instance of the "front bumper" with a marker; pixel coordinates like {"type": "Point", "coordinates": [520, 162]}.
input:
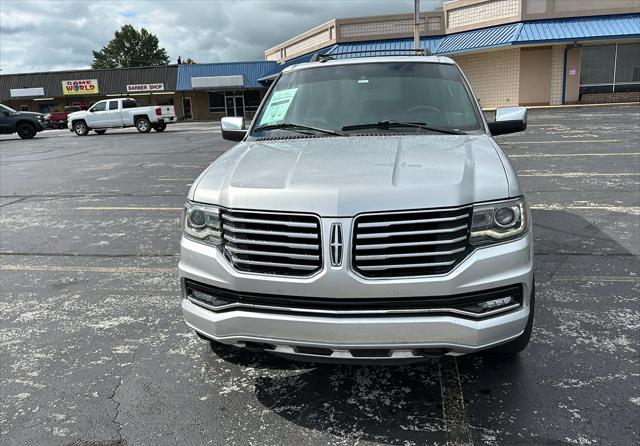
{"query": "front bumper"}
{"type": "Point", "coordinates": [399, 336]}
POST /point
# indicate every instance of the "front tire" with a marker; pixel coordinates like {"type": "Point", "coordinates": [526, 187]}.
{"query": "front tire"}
{"type": "Point", "coordinates": [143, 125]}
{"type": "Point", "coordinates": [160, 127]}
{"type": "Point", "coordinates": [521, 342]}
{"type": "Point", "coordinates": [26, 131]}
{"type": "Point", "coordinates": [100, 132]}
{"type": "Point", "coordinates": [80, 127]}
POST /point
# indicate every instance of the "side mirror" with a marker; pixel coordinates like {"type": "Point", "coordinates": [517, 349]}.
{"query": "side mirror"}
{"type": "Point", "coordinates": [509, 120]}
{"type": "Point", "coordinates": [233, 128]}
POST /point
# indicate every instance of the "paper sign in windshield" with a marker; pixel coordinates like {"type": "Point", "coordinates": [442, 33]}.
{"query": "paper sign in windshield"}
{"type": "Point", "coordinates": [278, 106]}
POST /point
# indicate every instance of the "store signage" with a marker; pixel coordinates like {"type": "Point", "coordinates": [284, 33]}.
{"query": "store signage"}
{"type": "Point", "coordinates": [144, 88]}
{"type": "Point", "coordinates": [80, 86]}
{"type": "Point", "coordinates": [26, 92]}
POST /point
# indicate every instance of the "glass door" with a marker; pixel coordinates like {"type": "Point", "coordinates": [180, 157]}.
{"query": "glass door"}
{"type": "Point", "coordinates": [234, 105]}
{"type": "Point", "coordinates": [186, 108]}
{"type": "Point", "coordinates": [239, 104]}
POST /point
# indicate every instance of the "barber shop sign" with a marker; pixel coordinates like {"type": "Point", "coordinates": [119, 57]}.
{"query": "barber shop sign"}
{"type": "Point", "coordinates": [144, 88]}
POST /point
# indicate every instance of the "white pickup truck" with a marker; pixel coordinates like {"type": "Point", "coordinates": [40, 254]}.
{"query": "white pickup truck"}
{"type": "Point", "coordinates": [121, 113]}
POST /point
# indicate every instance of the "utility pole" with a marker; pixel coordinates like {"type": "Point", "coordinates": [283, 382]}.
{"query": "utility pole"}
{"type": "Point", "coordinates": [416, 24]}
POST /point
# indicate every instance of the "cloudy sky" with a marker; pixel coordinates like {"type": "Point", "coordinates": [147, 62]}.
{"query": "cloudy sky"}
{"type": "Point", "coordinates": [60, 34]}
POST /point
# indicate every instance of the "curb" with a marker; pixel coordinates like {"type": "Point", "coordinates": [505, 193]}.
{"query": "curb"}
{"type": "Point", "coordinates": [543, 107]}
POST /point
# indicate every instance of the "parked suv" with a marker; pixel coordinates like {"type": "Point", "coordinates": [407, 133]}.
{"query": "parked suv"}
{"type": "Point", "coordinates": [367, 214]}
{"type": "Point", "coordinates": [25, 124]}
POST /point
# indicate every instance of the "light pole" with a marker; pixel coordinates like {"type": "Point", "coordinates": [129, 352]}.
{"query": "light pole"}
{"type": "Point", "coordinates": [416, 24]}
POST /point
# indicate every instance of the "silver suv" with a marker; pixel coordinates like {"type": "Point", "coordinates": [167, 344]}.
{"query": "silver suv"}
{"type": "Point", "coordinates": [366, 215]}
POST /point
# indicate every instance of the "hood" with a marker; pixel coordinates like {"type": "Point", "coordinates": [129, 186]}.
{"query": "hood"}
{"type": "Point", "coordinates": [77, 114]}
{"type": "Point", "coordinates": [345, 176]}
{"type": "Point", "coordinates": [27, 113]}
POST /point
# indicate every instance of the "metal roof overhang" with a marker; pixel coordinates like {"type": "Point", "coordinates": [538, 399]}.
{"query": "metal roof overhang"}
{"type": "Point", "coordinates": [579, 29]}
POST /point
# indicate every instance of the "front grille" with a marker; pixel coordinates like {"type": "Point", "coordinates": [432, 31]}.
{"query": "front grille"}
{"type": "Point", "coordinates": [414, 243]}
{"type": "Point", "coordinates": [272, 243]}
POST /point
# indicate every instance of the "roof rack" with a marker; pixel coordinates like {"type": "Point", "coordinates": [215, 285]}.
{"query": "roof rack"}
{"type": "Point", "coordinates": [318, 57]}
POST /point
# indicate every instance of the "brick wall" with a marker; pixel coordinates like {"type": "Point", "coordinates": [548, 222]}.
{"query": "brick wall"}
{"type": "Point", "coordinates": [603, 98]}
{"type": "Point", "coordinates": [482, 12]}
{"type": "Point", "coordinates": [494, 76]}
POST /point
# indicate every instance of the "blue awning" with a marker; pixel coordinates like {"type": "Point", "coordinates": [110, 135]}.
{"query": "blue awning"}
{"type": "Point", "coordinates": [579, 28]}
{"type": "Point", "coordinates": [479, 39]}
{"type": "Point", "coordinates": [271, 75]}
{"type": "Point", "coordinates": [250, 70]}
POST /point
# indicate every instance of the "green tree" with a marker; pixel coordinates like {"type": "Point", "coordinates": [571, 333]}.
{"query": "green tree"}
{"type": "Point", "coordinates": [130, 48]}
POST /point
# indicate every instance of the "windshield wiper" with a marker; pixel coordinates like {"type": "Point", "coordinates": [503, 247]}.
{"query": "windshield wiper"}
{"type": "Point", "coordinates": [296, 128]}
{"type": "Point", "coordinates": [387, 124]}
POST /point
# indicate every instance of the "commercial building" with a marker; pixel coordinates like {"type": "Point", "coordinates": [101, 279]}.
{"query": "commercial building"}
{"type": "Point", "coordinates": [198, 91]}
{"type": "Point", "coordinates": [43, 92]}
{"type": "Point", "coordinates": [528, 52]}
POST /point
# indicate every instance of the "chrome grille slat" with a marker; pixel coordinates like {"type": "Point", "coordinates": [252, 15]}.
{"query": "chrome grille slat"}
{"type": "Point", "coordinates": [306, 235]}
{"type": "Point", "coordinates": [412, 243]}
{"type": "Point", "coordinates": [234, 250]}
{"type": "Point", "coordinates": [272, 243]}
{"type": "Point", "coordinates": [409, 254]}
{"type": "Point", "coordinates": [283, 265]}
{"type": "Point", "coordinates": [419, 232]}
{"type": "Point", "coordinates": [411, 222]}
{"type": "Point", "coordinates": [405, 265]}
{"type": "Point", "coordinates": [397, 245]}
{"type": "Point", "coordinates": [293, 224]}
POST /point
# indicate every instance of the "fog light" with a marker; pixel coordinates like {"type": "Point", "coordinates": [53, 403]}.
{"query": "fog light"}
{"type": "Point", "coordinates": [494, 303]}
{"type": "Point", "coordinates": [207, 298]}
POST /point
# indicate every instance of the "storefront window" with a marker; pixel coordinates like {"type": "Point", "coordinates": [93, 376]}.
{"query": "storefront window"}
{"type": "Point", "coordinates": [165, 100]}
{"type": "Point", "coordinates": [597, 65]}
{"type": "Point", "coordinates": [216, 101]}
{"type": "Point", "coordinates": [252, 100]}
{"type": "Point", "coordinates": [610, 68]}
{"type": "Point", "coordinates": [628, 65]}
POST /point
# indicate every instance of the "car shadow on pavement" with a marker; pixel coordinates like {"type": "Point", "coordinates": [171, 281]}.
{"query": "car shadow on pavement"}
{"type": "Point", "coordinates": [403, 404]}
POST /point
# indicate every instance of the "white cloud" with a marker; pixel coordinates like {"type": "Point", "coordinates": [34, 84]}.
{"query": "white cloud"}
{"type": "Point", "coordinates": [53, 35]}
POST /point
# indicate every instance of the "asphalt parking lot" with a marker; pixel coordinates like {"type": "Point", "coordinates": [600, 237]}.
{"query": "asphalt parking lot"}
{"type": "Point", "coordinates": [94, 349]}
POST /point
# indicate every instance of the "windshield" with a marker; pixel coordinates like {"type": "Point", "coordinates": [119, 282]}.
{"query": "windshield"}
{"type": "Point", "coordinates": [338, 97]}
{"type": "Point", "coordinates": [5, 108]}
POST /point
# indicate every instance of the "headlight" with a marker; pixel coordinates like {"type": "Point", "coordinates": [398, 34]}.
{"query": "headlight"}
{"type": "Point", "coordinates": [500, 221]}
{"type": "Point", "coordinates": [202, 223]}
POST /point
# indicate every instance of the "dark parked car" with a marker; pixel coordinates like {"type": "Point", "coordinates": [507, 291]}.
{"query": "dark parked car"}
{"type": "Point", "coordinates": [25, 124]}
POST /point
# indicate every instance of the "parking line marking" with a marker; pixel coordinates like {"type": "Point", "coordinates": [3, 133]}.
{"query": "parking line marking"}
{"type": "Point", "coordinates": [176, 179]}
{"type": "Point", "coordinates": [455, 420]}
{"type": "Point", "coordinates": [554, 207]}
{"type": "Point", "coordinates": [128, 208]}
{"type": "Point", "coordinates": [579, 174]}
{"type": "Point", "coordinates": [561, 142]}
{"type": "Point", "coordinates": [596, 278]}
{"type": "Point", "coordinates": [87, 269]}
{"type": "Point", "coordinates": [559, 155]}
